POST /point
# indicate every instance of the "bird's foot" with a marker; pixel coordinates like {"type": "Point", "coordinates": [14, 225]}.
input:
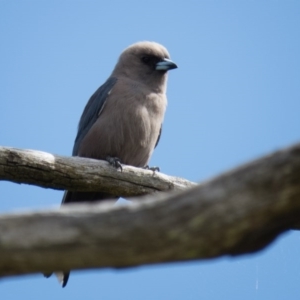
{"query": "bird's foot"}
{"type": "Point", "coordinates": [152, 168]}
{"type": "Point", "coordinates": [115, 162]}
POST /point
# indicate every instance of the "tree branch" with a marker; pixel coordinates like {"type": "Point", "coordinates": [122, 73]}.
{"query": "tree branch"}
{"type": "Point", "coordinates": [82, 174]}
{"type": "Point", "coordinates": [238, 212]}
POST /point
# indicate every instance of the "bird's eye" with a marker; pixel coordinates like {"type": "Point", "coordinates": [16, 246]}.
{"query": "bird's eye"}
{"type": "Point", "coordinates": [146, 59]}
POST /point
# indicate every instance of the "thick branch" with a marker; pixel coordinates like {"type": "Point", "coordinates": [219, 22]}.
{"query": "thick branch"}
{"type": "Point", "coordinates": [238, 212]}
{"type": "Point", "coordinates": [82, 174]}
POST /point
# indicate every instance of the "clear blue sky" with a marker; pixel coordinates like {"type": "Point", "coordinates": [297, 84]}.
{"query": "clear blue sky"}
{"type": "Point", "coordinates": [234, 97]}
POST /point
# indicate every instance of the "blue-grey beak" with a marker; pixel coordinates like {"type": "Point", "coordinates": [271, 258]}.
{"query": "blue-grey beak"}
{"type": "Point", "coordinates": [165, 65]}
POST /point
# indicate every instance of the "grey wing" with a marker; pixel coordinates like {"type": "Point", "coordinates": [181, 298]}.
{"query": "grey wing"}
{"type": "Point", "coordinates": [88, 118]}
{"type": "Point", "coordinates": [158, 138]}
{"type": "Point", "coordinates": [92, 110]}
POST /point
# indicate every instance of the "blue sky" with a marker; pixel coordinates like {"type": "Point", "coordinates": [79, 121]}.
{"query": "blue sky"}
{"type": "Point", "coordinates": [234, 97]}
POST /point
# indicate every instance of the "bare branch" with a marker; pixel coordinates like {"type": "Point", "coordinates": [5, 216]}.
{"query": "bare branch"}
{"type": "Point", "coordinates": [238, 212]}
{"type": "Point", "coordinates": [82, 174]}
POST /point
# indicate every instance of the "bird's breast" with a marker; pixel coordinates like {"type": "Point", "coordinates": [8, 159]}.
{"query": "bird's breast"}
{"type": "Point", "coordinates": [128, 127]}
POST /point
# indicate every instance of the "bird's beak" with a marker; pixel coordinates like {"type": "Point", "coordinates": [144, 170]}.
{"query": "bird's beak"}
{"type": "Point", "coordinates": [165, 65]}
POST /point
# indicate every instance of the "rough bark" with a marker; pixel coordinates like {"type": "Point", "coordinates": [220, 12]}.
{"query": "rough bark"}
{"type": "Point", "coordinates": [82, 174]}
{"type": "Point", "coordinates": [238, 212]}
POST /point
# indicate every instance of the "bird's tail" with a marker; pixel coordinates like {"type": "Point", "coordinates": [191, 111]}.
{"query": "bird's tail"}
{"type": "Point", "coordinates": [62, 278]}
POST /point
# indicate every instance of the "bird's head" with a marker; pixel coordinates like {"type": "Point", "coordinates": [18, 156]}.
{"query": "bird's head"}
{"type": "Point", "coordinates": [145, 62]}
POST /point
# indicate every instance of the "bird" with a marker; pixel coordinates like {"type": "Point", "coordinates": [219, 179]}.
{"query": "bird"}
{"type": "Point", "coordinates": [122, 121]}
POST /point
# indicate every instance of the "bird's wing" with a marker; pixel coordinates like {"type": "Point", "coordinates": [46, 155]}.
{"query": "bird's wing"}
{"type": "Point", "coordinates": [158, 138]}
{"type": "Point", "coordinates": [89, 116]}
{"type": "Point", "coordinates": [92, 110]}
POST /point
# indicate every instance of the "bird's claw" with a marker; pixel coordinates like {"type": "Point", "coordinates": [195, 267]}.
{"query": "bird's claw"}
{"type": "Point", "coordinates": [152, 168]}
{"type": "Point", "coordinates": [115, 162]}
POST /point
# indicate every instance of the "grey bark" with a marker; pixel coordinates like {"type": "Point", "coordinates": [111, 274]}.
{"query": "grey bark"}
{"type": "Point", "coordinates": [238, 212]}
{"type": "Point", "coordinates": [82, 174]}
